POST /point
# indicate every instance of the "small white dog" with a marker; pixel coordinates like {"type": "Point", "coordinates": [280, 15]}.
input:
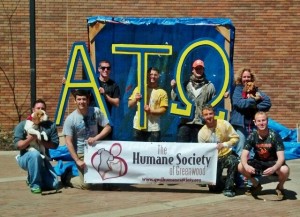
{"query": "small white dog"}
{"type": "Point", "coordinates": [32, 127]}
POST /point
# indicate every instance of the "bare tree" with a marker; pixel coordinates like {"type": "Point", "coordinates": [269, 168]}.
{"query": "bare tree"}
{"type": "Point", "coordinates": [12, 81]}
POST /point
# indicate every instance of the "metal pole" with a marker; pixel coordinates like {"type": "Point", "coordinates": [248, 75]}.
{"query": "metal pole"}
{"type": "Point", "coordinates": [32, 52]}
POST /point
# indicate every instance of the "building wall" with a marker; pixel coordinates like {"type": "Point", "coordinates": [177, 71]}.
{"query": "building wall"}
{"type": "Point", "coordinates": [266, 40]}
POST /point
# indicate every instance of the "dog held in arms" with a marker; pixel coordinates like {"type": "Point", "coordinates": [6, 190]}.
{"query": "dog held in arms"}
{"type": "Point", "coordinates": [250, 91]}
{"type": "Point", "coordinates": [32, 127]}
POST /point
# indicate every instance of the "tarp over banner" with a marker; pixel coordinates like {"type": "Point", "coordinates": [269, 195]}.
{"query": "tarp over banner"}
{"type": "Point", "coordinates": [289, 137]}
{"type": "Point", "coordinates": [171, 44]}
{"type": "Point", "coordinates": [145, 162]}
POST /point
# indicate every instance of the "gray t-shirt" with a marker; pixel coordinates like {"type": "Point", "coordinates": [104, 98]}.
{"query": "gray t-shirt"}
{"type": "Point", "coordinates": [82, 127]}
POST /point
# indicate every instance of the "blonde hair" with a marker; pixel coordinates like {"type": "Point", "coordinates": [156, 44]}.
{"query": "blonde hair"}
{"type": "Point", "coordinates": [260, 113]}
{"type": "Point", "coordinates": [238, 80]}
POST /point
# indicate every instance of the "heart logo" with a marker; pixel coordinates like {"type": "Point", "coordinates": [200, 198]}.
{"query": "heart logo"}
{"type": "Point", "coordinates": [108, 163]}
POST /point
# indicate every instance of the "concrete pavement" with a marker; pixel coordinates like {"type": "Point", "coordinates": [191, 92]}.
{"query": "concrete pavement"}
{"type": "Point", "coordinates": [141, 200]}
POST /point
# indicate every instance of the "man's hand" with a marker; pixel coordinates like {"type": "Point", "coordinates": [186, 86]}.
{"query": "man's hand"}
{"type": "Point", "coordinates": [101, 90]}
{"type": "Point", "coordinates": [147, 109]}
{"type": "Point", "coordinates": [249, 169]}
{"type": "Point", "coordinates": [91, 140]}
{"type": "Point", "coordinates": [138, 97]}
{"type": "Point", "coordinates": [173, 84]}
{"type": "Point", "coordinates": [220, 146]}
{"type": "Point", "coordinates": [269, 171]}
{"type": "Point", "coordinates": [31, 137]}
{"type": "Point", "coordinates": [80, 163]}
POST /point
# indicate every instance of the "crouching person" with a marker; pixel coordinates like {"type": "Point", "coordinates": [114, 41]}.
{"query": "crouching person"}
{"type": "Point", "coordinates": [268, 159]}
{"type": "Point", "coordinates": [222, 133]}
{"type": "Point", "coordinates": [41, 175]}
{"type": "Point", "coordinates": [81, 126]}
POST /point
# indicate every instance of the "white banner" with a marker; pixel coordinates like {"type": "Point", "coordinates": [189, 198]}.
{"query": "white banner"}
{"type": "Point", "coordinates": [150, 162]}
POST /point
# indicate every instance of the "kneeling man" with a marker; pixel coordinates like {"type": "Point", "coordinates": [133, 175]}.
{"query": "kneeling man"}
{"type": "Point", "coordinates": [269, 156]}
{"type": "Point", "coordinates": [222, 133]}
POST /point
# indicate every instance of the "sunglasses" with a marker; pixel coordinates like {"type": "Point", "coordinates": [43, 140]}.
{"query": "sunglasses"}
{"type": "Point", "coordinates": [104, 67]}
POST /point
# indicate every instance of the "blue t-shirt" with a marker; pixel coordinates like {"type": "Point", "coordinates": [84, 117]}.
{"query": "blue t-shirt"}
{"type": "Point", "coordinates": [48, 126]}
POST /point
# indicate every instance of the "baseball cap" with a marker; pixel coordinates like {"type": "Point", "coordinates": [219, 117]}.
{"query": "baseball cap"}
{"type": "Point", "coordinates": [198, 63]}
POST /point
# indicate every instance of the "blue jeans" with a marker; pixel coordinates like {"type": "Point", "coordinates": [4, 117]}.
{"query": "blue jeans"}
{"type": "Point", "coordinates": [238, 148]}
{"type": "Point", "coordinates": [243, 134]}
{"type": "Point", "coordinates": [40, 172]}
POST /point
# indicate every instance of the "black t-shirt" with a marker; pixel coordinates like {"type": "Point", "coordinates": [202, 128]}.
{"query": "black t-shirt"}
{"type": "Point", "coordinates": [111, 89]}
{"type": "Point", "coordinates": [265, 149]}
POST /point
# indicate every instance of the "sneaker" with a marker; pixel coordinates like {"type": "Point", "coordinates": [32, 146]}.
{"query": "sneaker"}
{"type": "Point", "coordinates": [36, 190]}
{"type": "Point", "coordinates": [229, 193]}
{"type": "Point", "coordinates": [280, 193]}
{"type": "Point", "coordinates": [254, 190]}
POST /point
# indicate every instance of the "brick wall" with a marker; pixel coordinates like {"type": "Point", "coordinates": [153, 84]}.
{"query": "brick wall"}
{"type": "Point", "coordinates": [266, 40]}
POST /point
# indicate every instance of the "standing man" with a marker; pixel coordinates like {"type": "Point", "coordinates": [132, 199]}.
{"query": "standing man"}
{"type": "Point", "coordinates": [157, 104]}
{"type": "Point", "coordinates": [108, 87]}
{"type": "Point", "coordinates": [223, 134]}
{"type": "Point", "coordinates": [41, 175]}
{"type": "Point", "coordinates": [200, 91]}
{"type": "Point", "coordinates": [268, 156]}
{"type": "Point", "coordinates": [80, 126]}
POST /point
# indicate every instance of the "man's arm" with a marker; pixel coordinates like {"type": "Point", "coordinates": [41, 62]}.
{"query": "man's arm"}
{"type": "Point", "coordinates": [280, 160]}
{"type": "Point", "coordinates": [232, 134]}
{"type": "Point", "coordinates": [244, 161]}
{"type": "Point", "coordinates": [244, 158]}
{"type": "Point", "coordinates": [163, 104]}
{"type": "Point", "coordinates": [202, 135]}
{"type": "Point", "coordinates": [112, 101]}
{"type": "Point", "coordinates": [134, 98]}
{"type": "Point", "coordinates": [115, 98]}
{"type": "Point", "coordinates": [211, 91]}
{"type": "Point", "coordinates": [24, 143]}
{"type": "Point", "coordinates": [157, 111]}
{"type": "Point", "coordinates": [21, 141]}
{"type": "Point", "coordinates": [70, 146]}
{"type": "Point", "coordinates": [104, 132]}
{"type": "Point", "coordinates": [132, 103]}
{"type": "Point", "coordinates": [279, 163]}
{"type": "Point", "coordinates": [173, 93]}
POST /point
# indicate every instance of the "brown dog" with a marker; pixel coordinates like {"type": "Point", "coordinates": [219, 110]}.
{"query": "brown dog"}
{"type": "Point", "coordinates": [32, 127]}
{"type": "Point", "coordinates": [250, 90]}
